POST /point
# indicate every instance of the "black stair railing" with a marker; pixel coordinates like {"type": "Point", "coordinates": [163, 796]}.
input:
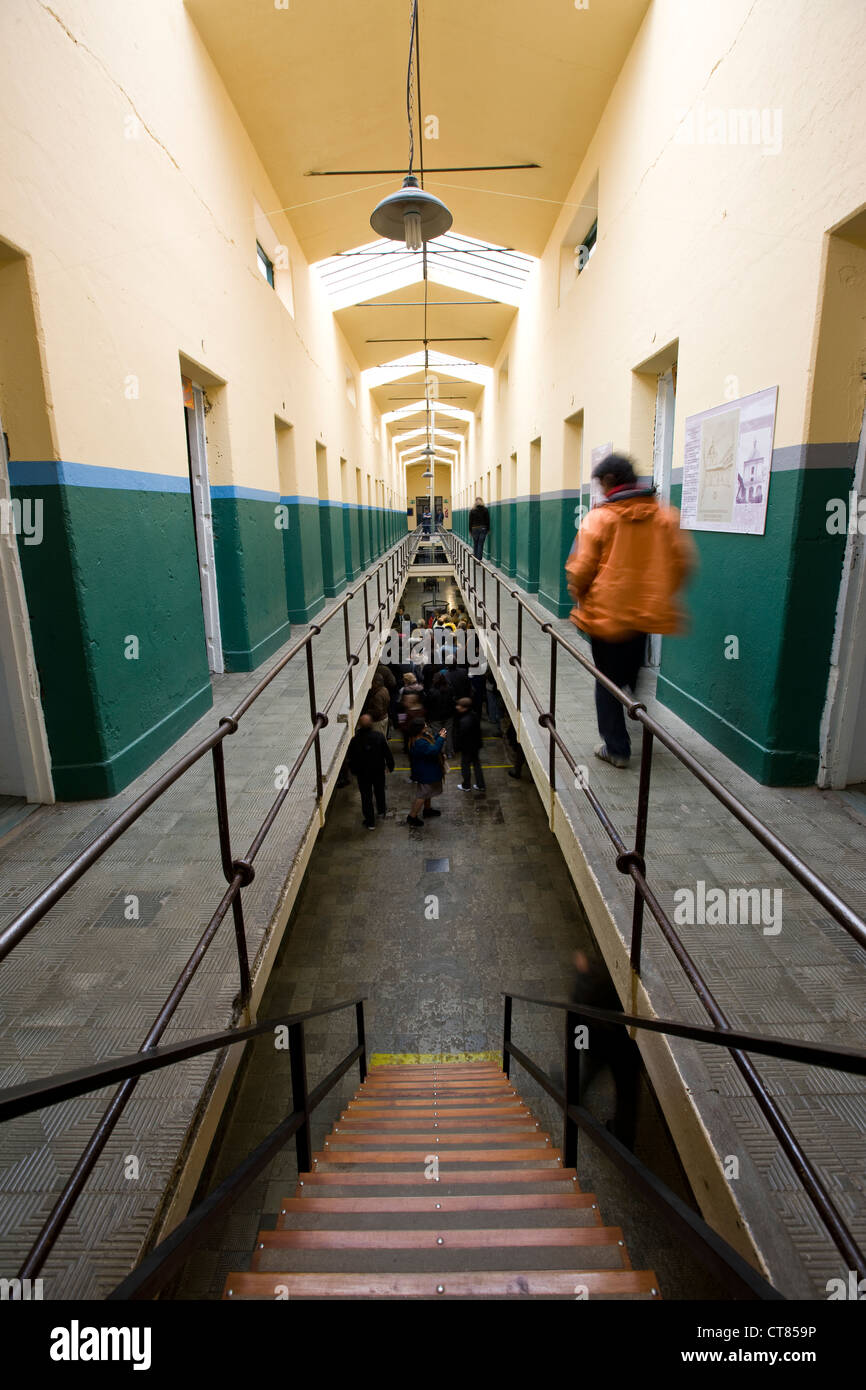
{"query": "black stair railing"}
{"type": "Point", "coordinates": [152, 1273]}
{"type": "Point", "coordinates": [741, 1280]}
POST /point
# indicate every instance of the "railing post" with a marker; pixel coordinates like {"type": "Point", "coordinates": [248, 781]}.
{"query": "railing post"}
{"type": "Point", "coordinates": [519, 647]}
{"type": "Point", "coordinates": [379, 600]}
{"type": "Point", "coordinates": [498, 615]}
{"type": "Point", "coordinates": [219, 777]}
{"type": "Point", "coordinates": [643, 795]}
{"type": "Point", "coordinates": [311, 684]}
{"type": "Point", "coordinates": [300, 1099]}
{"type": "Point", "coordinates": [506, 1036]}
{"type": "Point", "coordinates": [367, 622]}
{"type": "Point", "coordinates": [551, 772]}
{"type": "Point", "coordinates": [362, 1039]}
{"type": "Point", "coordinates": [572, 1089]}
{"type": "Point", "coordinates": [349, 659]}
{"type": "Point", "coordinates": [484, 591]}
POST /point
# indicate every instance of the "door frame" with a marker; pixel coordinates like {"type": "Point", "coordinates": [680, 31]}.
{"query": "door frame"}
{"type": "Point", "coordinates": [846, 684]}
{"type": "Point", "coordinates": [663, 457]}
{"type": "Point", "coordinates": [202, 509]}
{"type": "Point", "coordinates": [18, 661]}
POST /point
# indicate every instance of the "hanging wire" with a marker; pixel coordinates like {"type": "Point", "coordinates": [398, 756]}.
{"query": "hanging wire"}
{"type": "Point", "coordinates": [412, 30]}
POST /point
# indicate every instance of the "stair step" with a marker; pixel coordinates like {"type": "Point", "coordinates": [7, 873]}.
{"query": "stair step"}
{"type": "Point", "coordinates": [397, 1115]}
{"type": "Point", "coordinates": [486, 1284]}
{"type": "Point", "coordinates": [351, 1213]}
{"type": "Point", "coordinates": [426, 1069]}
{"type": "Point", "coordinates": [493, 1085]}
{"type": "Point", "coordinates": [370, 1139]}
{"type": "Point", "coordinates": [441, 1248]}
{"type": "Point", "coordinates": [448, 1105]}
{"type": "Point", "coordinates": [326, 1161]}
{"type": "Point", "coordinates": [452, 1183]}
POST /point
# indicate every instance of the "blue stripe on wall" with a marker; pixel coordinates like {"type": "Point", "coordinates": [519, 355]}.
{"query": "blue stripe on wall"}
{"type": "Point", "coordinates": [42, 473]}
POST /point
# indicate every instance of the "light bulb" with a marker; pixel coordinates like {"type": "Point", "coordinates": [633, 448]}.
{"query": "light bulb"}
{"type": "Point", "coordinates": [412, 226]}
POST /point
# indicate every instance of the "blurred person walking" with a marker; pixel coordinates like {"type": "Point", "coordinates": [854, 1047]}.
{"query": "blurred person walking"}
{"type": "Point", "coordinates": [479, 526]}
{"type": "Point", "coordinates": [627, 565]}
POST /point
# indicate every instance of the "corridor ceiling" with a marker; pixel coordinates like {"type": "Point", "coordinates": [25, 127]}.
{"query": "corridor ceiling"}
{"type": "Point", "coordinates": [320, 85]}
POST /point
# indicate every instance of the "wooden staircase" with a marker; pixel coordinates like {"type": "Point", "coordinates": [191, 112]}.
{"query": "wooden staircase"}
{"type": "Point", "coordinates": [503, 1220]}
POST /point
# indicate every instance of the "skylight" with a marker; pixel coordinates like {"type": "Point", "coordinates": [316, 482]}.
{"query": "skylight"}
{"type": "Point", "coordinates": [461, 262]}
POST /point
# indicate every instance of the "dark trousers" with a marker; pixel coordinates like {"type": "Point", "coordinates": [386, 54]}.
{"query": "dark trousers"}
{"type": "Point", "coordinates": [621, 1055]}
{"type": "Point", "coordinates": [479, 536]}
{"type": "Point", "coordinates": [368, 787]}
{"type": "Point", "coordinates": [470, 762]}
{"type": "Point", "coordinates": [620, 662]}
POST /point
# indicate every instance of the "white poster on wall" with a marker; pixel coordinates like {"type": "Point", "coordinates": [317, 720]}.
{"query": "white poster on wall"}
{"type": "Point", "coordinates": [726, 465]}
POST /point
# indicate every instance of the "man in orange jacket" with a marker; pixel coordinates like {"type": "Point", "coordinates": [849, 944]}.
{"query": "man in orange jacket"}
{"type": "Point", "coordinates": [625, 569]}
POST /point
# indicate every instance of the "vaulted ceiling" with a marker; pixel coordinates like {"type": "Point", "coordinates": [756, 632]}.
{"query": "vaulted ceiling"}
{"type": "Point", "coordinates": [320, 86]}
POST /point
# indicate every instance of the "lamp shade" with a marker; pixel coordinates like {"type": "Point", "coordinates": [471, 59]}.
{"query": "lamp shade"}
{"type": "Point", "coordinates": [412, 215]}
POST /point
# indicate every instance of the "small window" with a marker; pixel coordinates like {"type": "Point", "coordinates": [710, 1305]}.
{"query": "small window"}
{"type": "Point", "coordinates": [265, 264]}
{"type": "Point", "coordinates": [587, 248]}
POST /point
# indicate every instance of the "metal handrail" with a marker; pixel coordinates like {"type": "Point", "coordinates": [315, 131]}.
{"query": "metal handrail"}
{"type": "Point", "coordinates": [633, 862]}
{"type": "Point", "coordinates": [238, 872]}
{"type": "Point", "coordinates": [710, 1247]}
{"type": "Point", "coordinates": [158, 1266]}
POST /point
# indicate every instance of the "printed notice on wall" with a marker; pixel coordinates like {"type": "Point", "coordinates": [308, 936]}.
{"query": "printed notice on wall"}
{"type": "Point", "coordinates": [726, 465]}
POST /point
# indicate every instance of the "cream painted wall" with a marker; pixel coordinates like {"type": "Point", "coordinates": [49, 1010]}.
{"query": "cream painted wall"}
{"type": "Point", "coordinates": [134, 199]}
{"type": "Point", "coordinates": [720, 247]}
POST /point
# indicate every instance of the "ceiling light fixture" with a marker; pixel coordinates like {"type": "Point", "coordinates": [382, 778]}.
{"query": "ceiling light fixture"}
{"type": "Point", "coordinates": [411, 215]}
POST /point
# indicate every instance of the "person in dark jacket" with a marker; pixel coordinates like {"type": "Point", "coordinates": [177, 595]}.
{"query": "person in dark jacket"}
{"type": "Point", "coordinates": [609, 1045]}
{"type": "Point", "coordinates": [425, 759]}
{"type": "Point", "coordinates": [378, 704]}
{"type": "Point", "coordinates": [440, 707]}
{"type": "Point", "coordinates": [515, 749]}
{"type": "Point", "coordinates": [479, 525]}
{"type": "Point", "coordinates": [468, 743]}
{"type": "Point", "coordinates": [368, 757]}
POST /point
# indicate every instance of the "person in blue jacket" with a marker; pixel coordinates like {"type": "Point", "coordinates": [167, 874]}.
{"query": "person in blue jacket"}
{"type": "Point", "coordinates": [425, 761]}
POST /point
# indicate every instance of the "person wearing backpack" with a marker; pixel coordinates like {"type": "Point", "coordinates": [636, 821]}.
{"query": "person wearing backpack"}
{"type": "Point", "coordinates": [427, 769]}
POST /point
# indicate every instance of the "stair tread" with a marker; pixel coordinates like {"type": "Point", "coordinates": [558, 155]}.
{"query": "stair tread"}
{"type": "Point", "coordinates": [524, 1283]}
{"type": "Point", "coordinates": [509, 1177]}
{"type": "Point", "coordinates": [429, 1237]}
{"type": "Point", "coordinates": [506, 1154]}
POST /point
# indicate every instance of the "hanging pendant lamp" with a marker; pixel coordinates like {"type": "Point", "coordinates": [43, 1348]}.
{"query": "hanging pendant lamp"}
{"type": "Point", "coordinates": [411, 215]}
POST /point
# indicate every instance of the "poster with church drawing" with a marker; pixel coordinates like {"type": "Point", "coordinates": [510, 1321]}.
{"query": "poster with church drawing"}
{"type": "Point", "coordinates": [726, 465]}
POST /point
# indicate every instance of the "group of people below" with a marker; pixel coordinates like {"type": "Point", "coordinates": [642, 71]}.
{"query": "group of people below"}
{"type": "Point", "coordinates": [437, 711]}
